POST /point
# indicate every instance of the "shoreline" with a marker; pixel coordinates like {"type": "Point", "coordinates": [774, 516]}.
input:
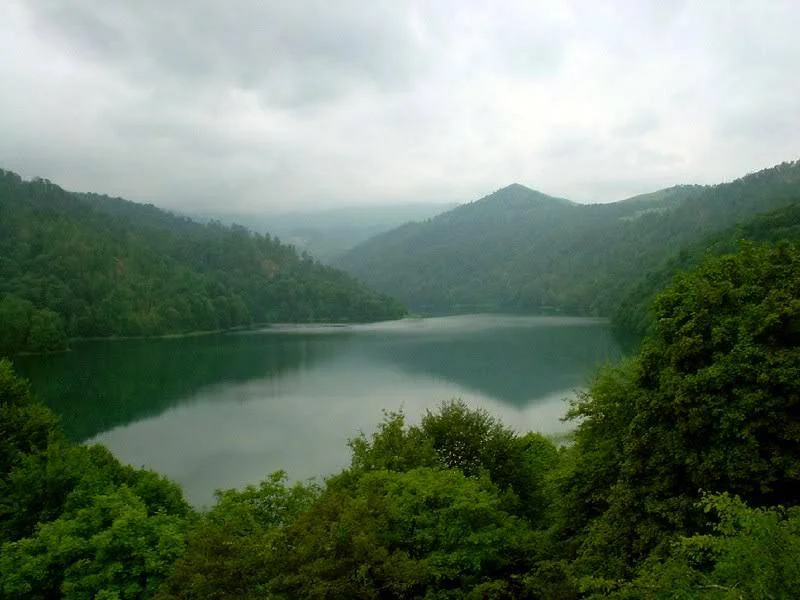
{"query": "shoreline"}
{"type": "Point", "coordinates": [289, 327]}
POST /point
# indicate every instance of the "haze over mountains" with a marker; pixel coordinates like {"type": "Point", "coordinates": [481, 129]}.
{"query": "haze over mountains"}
{"type": "Point", "coordinates": [326, 234]}
{"type": "Point", "coordinates": [521, 250]}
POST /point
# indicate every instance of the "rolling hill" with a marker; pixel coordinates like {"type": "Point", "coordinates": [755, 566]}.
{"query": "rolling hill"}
{"type": "Point", "coordinates": [86, 265]}
{"type": "Point", "coordinates": [520, 250]}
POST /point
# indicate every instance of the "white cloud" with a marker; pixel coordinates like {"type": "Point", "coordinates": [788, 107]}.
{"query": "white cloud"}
{"type": "Point", "coordinates": [270, 105]}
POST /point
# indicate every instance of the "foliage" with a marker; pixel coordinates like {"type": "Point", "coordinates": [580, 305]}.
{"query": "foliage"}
{"type": "Point", "coordinates": [74, 522]}
{"type": "Point", "coordinates": [472, 441]}
{"type": "Point", "coordinates": [82, 265]}
{"type": "Point", "coordinates": [634, 318]}
{"type": "Point", "coordinates": [590, 468]}
{"type": "Point", "coordinates": [24, 327]}
{"type": "Point", "coordinates": [420, 533]}
{"type": "Point", "coordinates": [446, 508]}
{"type": "Point", "coordinates": [711, 403]}
{"type": "Point", "coordinates": [725, 363]}
{"type": "Point", "coordinates": [25, 427]}
{"type": "Point", "coordinates": [64, 478]}
{"type": "Point", "coordinates": [230, 551]}
{"type": "Point", "coordinates": [520, 250]}
{"type": "Point", "coordinates": [394, 447]}
{"type": "Point", "coordinates": [112, 548]}
{"type": "Point", "coordinates": [46, 333]}
{"type": "Point", "coordinates": [750, 553]}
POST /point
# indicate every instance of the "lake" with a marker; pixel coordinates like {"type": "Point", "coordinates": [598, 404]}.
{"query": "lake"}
{"type": "Point", "coordinates": [225, 410]}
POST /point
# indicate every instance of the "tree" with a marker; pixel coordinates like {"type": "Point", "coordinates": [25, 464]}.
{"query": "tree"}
{"type": "Point", "coordinates": [470, 440]}
{"type": "Point", "coordinates": [750, 553]}
{"type": "Point", "coordinates": [108, 267]}
{"type": "Point", "coordinates": [25, 427]}
{"type": "Point", "coordinates": [421, 533]}
{"type": "Point", "coordinates": [15, 316]}
{"type": "Point", "coordinates": [46, 332]}
{"type": "Point", "coordinates": [230, 549]}
{"type": "Point", "coordinates": [711, 403]}
{"type": "Point", "coordinates": [112, 548]}
{"type": "Point", "coordinates": [721, 377]}
{"type": "Point", "coordinates": [475, 443]}
{"type": "Point", "coordinates": [74, 522]}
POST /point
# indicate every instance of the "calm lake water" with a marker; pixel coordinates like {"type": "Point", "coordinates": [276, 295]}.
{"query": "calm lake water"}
{"type": "Point", "coordinates": [225, 410]}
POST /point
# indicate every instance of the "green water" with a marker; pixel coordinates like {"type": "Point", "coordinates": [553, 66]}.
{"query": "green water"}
{"type": "Point", "coordinates": [221, 411]}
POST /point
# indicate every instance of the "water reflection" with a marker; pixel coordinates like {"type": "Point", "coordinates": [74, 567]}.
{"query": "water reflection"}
{"type": "Point", "coordinates": [223, 411]}
{"type": "Point", "coordinates": [102, 384]}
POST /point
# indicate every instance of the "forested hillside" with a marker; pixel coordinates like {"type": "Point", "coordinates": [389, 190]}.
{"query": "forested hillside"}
{"type": "Point", "coordinates": [634, 315]}
{"type": "Point", "coordinates": [88, 265]}
{"type": "Point", "coordinates": [682, 481]}
{"type": "Point", "coordinates": [520, 250]}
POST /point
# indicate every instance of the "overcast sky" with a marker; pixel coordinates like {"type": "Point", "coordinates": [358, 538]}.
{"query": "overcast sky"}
{"type": "Point", "coordinates": [265, 105]}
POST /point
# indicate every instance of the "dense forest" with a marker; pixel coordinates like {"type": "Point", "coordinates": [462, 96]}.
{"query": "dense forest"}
{"type": "Point", "coordinates": [634, 319]}
{"type": "Point", "coordinates": [682, 480]}
{"type": "Point", "coordinates": [85, 265]}
{"type": "Point", "coordinates": [520, 250]}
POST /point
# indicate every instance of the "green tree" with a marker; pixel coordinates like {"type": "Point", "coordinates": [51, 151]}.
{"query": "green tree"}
{"type": "Point", "coordinates": [470, 440]}
{"type": "Point", "coordinates": [74, 522]}
{"type": "Point", "coordinates": [517, 249]}
{"type": "Point", "coordinates": [25, 426]}
{"type": "Point", "coordinates": [750, 553]}
{"type": "Point", "coordinates": [64, 478]}
{"type": "Point", "coordinates": [633, 318]}
{"type": "Point", "coordinates": [711, 403]}
{"type": "Point", "coordinates": [46, 332]}
{"type": "Point", "coordinates": [108, 267]}
{"type": "Point", "coordinates": [112, 548]}
{"type": "Point", "coordinates": [421, 533]}
{"type": "Point", "coordinates": [15, 322]}
{"type": "Point", "coordinates": [230, 551]}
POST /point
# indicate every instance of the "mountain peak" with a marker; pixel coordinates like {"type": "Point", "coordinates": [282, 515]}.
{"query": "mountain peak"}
{"type": "Point", "coordinates": [516, 187]}
{"type": "Point", "coordinates": [518, 194]}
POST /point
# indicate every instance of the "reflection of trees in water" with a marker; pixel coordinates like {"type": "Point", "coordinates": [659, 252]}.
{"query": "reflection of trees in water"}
{"type": "Point", "coordinates": [513, 365]}
{"type": "Point", "coordinates": [100, 385]}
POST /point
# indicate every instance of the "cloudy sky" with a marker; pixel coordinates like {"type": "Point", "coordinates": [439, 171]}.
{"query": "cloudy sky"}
{"type": "Point", "coordinates": [273, 105]}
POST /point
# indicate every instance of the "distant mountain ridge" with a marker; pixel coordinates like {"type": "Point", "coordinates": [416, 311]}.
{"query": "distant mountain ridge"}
{"type": "Point", "coordinates": [86, 265]}
{"type": "Point", "coordinates": [328, 233]}
{"type": "Point", "coordinates": [666, 198]}
{"type": "Point", "coordinates": [521, 250]}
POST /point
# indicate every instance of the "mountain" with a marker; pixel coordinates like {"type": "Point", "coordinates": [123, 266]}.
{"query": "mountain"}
{"type": "Point", "coordinates": [86, 265]}
{"type": "Point", "coordinates": [450, 260]}
{"type": "Point", "coordinates": [520, 250]}
{"type": "Point", "coordinates": [327, 234]}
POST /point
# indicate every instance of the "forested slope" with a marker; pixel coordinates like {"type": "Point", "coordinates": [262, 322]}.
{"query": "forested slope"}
{"type": "Point", "coordinates": [521, 250]}
{"type": "Point", "coordinates": [682, 481]}
{"type": "Point", "coordinates": [634, 316]}
{"type": "Point", "coordinates": [88, 265]}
